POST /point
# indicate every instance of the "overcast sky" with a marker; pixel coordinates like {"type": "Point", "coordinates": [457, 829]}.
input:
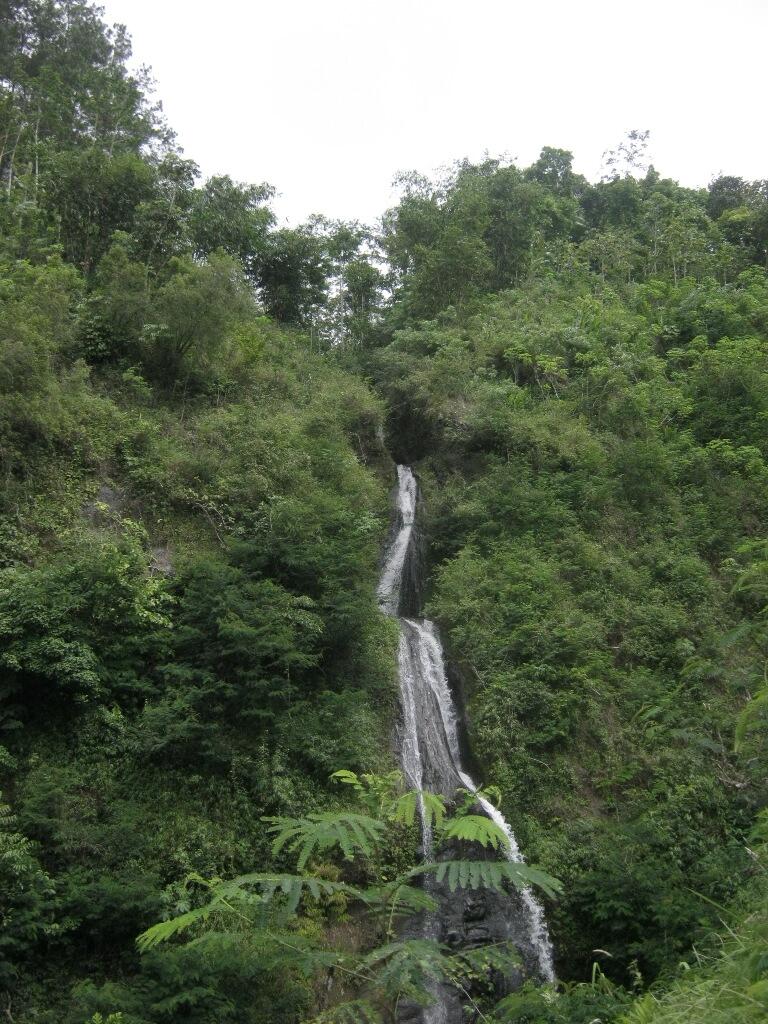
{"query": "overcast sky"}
{"type": "Point", "coordinates": [328, 99]}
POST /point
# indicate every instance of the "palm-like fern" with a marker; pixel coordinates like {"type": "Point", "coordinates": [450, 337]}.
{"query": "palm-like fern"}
{"type": "Point", "coordinates": [490, 874]}
{"type": "Point", "coordinates": [469, 964]}
{"type": "Point", "coordinates": [254, 898]}
{"type": "Point", "coordinates": [407, 968]}
{"type": "Point", "coordinates": [319, 833]}
{"type": "Point", "coordinates": [165, 930]}
{"type": "Point", "coordinates": [476, 828]}
{"type": "Point", "coordinates": [381, 794]}
{"type": "Point", "coordinates": [429, 804]}
{"type": "Point", "coordinates": [266, 906]}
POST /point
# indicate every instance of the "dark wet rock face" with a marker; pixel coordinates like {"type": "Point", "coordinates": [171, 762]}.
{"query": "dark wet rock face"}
{"type": "Point", "coordinates": [469, 919]}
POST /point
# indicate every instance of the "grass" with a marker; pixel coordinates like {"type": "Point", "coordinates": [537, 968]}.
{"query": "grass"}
{"type": "Point", "coordinates": [726, 986]}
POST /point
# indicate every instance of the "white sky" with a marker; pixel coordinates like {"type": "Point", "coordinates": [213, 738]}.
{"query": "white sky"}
{"type": "Point", "coordinates": [328, 99]}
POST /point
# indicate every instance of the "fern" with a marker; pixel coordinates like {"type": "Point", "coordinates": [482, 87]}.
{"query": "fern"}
{"type": "Point", "coordinates": [276, 894]}
{"type": "Point", "coordinates": [264, 908]}
{"type": "Point", "coordinates": [376, 792]}
{"type": "Point", "coordinates": [379, 793]}
{"type": "Point", "coordinates": [359, 1011]}
{"type": "Point", "coordinates": [490, 874]}
{"type": "Point", "coordinates": [318, 833]}
{"type": "Point", "coordinates": [398, 897]}
{"type": "Point", "coordinates": [470, 964]}
{"type": "Point", "coordinates": [476, 828]}
{"type": "Point", "coordinates": [348, 778]}
{"type": "Point", "coordinates": [429, 804]}
{"type": "Point", "coordinates": [407, 968]}
{"type": "Point", "coordinates": [748, 719]}
{"type": "Point", "coordinates": [285, 889]}
{"type": "Point", "coordinates": [167, 929]}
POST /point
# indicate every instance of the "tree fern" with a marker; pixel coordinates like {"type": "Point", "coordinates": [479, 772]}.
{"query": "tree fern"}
{"type": "Point", "coordinates": [248, 897]}
{"type": "Point", "coordinates": [283, 892]}
{"type": "Point", "coordinates": [380, 794]}
{"type": "Point", "coordinates": [476, 828]}
{"type": "Point", "coordinates": [428, 804]}
{"type": "Point", "coordinates": [398, 898]}
{"type": "Point", "coordinates": [408, 967]}
{"type": "Point", "coordinates": [165, 930]}
{"type": "Point", "coordinates": [318, 833]}
{"type": "Point", "coordinates": [490, 874]}
{"type": "Point", "coordinates": [265, 909]}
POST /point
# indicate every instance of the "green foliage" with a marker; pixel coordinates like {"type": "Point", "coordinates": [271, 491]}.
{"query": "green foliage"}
{"type": "Point", "coordinates": [233, 218]}
{"type": "Point", "coordinates": [92, 194]}
{"type": "Point", "coordinates": [352, 833]}
{"type": "Point", "coordinates": [574, 1003]}
{"type": "Point", "coordinates": [192, 505]}
{"type": "Point", "coordinates": [489, 874]}
{"type": "Point", "coordinates": [728, 980]}
{"type": "Point", "coordinates": [382, 795]}
{"type": "Point", "coordinates": [26, 900]}
{"type": "Point", "coordinates": [590, 444]}
{"type": "Point", "coordinates": [192, 313]}
{"type": "Point", "coordinates": [475, 828]}
{"type": "Point", "coordinates": [293, 275]}
{"type": "Point", "coordinates": [273, 908]}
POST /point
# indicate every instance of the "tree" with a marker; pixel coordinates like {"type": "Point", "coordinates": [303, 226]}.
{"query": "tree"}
{"type": "Point", "coordinates": [235, 218]}
{"type": "Point", "coordinates": [91, 195]}
{"type": "Point", "coordinates": [64, 85]}
{"type": "Point", "coordinates": [725, 193]}
{"type": "Point", "coordinates": [554, 170]}
{"type": "Point", "coordinates": [192, 314]}
{"type": "Point", "coordinates": [293, 275]}
{"type": "Point", "coordinates": [26, 894]}
{"type": "Point", "coordinates": [629, 156]}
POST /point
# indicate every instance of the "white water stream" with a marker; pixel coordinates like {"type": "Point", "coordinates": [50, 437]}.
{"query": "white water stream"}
{"type": "Point", "coordinates": [429, 748]}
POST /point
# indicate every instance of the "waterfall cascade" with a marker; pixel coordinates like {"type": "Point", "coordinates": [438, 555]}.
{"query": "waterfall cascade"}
{"type": "Point", "coordinates": [428, 739]}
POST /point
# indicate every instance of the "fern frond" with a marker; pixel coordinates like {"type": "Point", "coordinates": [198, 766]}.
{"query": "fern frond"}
{"type": "Point", "coordinates": [522, 875]}
{"type": "Point", "coordinates": [318, 833]}
{"type": "Point", "coordinates": [490, 874]}
{"type": "Point", "coordinates": [405, 807]}
{"type": "Point", "coordinates": [167, 929]}
{"type": "Point", "coordinates": [359, 1011]}
{"type": "Point", "coordinates": [398, 897]}
{"type": "Point", "coordinates": [404, 810]}
{"type": "Point", "coordinates": [348, 778]}
{"type": "Point", "coordinates": [287, 829]}
{"type": "Point", "coordinates": [278, 895]}
{"type": "Point", "coordinates": [281, 893]}
{"type": "Point", "coordinates": [408, 968]}
{"type": "Point", "coordinates": [747, 720]}
{"type": "Point", "coordinates": [476, 828]}
{"type": "Point", "coordinates": [480, 962]}
{"type": "Point", "coordinates": [434, 809]}
{"type": "Point", "coordinates": [377, 792]}
{"type": "Point", "coordinates": [492, 793]}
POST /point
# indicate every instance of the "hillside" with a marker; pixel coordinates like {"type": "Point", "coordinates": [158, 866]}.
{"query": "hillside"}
{"type": "Point", "coordinates": [200, 417]}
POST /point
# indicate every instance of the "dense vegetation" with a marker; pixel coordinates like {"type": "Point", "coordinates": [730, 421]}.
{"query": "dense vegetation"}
{"type": "Point", "coordinates": [592, 441]}
{"type": "Point", "coordinates": [194, 406]}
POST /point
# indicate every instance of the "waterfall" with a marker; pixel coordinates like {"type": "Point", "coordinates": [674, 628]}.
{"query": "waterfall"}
{"type": "Point", "coordinates": [428, 736]}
